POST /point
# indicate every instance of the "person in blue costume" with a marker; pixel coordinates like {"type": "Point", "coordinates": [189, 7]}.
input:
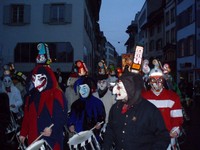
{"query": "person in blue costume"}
{"type": "Point", "coordinates": [88, 111]}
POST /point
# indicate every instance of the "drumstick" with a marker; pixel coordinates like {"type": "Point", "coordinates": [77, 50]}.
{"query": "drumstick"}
{"type": "Point", "coordinates": [42, 134]}
{"type": "Point", "coordinates": [95, 125]}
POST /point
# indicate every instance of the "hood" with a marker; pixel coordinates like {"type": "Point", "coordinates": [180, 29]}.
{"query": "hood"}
{"type": "Point", "coordinates": [133, 84]}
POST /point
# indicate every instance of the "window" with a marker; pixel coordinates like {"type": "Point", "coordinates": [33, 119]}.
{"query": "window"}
{"type": "Point", "coordinates": [159, 28]}
{"type": "Point", "coordinates": [190, 15]}
{"type": "Point", "coordinates": [173, 35]}
{"type": "Point", "coordinates": [59, 52]}
{"type": "Point", "coordinates": [16, 14]}
{"type": "Point", "coordinates": [151, 31]}
{"type": "Point", "coordinates": [167, 37]}
{"type": "Point", "coordinates": [182, 48]}
{"type": "Point", "coordinates": [167, 18]}
{"type": "Point", "coordinates": [191, 45]}
{"type": "Point", "coordinates": [151, 45]}
{"type": "Point", "coordinates": [159, 44]}
{"type": "Point", "coordinates": [57, 13]}
{"type": "Point", "coordinates": [173, 15]}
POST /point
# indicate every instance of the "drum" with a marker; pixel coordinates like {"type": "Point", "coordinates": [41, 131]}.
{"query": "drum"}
{"type": "Point", "coordinates": [39, 145]}
{"type": "Point", "coordinates": [84, 140]}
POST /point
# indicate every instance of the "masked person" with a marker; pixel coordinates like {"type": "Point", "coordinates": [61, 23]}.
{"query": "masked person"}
{"type": "Point", "coordinates": [167, 101]}
{"type": "Point", "coordinates": [45, 112]}
{"type": "Point", "coordinates": [69, 91]}
{"type": "Point", "coordinates": [15, 99]}
{"type": "Point", "coordinates": [134, 123]}
{"type": "Point", "coordinates": [86, 112]}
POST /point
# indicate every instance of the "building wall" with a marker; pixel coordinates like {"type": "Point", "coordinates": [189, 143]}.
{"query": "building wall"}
{"type": "Point", "coordinates": [37, 31]}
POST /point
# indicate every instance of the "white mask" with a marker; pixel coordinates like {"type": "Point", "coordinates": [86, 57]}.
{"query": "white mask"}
{"type": "Point", "coordinates": [102, 84]}
{"type": "Point", "coordinates": [120, 91]}
{"type": "Point", "coordinates": [7, 81]}
{"type": "Point", "coordinates": [39, 81]}
{"type": "Point", "coordinates": [84, 90]}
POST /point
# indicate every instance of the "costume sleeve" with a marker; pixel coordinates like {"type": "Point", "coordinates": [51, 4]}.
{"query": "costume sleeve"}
{"type": "Point", "coordinates": [18, 98]}
{"type": "Point", "coordinates": [108, 137]}
{"type": "Point", "coordinates": [176, 112]}
{"type": "Point", "coordinates": [59, 117]}
{"type": "Point", "coordinates": [24, 127]}
{"type": "Point", "coordinates": [162, 138]}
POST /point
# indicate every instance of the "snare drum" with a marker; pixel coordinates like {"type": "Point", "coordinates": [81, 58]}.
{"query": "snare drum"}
{"type": "Point", "coordinates": [39, 145]}
{"type": "Point", "coordinates": [85, 140]}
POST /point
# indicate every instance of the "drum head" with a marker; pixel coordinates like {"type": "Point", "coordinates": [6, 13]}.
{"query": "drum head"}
{"type": "Point", "coordinates": [80, 137]}
{"type": "Point", "coordinates": [36, 145]}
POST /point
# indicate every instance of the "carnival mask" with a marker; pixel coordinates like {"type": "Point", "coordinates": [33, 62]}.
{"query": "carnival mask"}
{"type": "Point", "coordinates": [39, 81]}
{"type": "Point", "coordinates": [120, 91]}
{"type": "Point", "coordinates": [156, 83]}
{"type": "Point", "coordinates": [102, 84]}
{"type": "Point", "coordinates": [84, 90]}
{"type": "Point", "coordinates": [7, 81]}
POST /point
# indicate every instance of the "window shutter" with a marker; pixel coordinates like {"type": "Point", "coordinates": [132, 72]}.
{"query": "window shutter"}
{"type": "Point", "coordinates": [7, 14]}
{"type": "Point", "coordinates": [27, 10]}
{"type": "Point", "coordinates": [68, 14]}
{"type": "Point", "coordinates": [46, 13]}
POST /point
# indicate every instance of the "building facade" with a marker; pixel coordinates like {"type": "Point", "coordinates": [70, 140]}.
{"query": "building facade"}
{"type": "Point", "coordinates": [69, 28]}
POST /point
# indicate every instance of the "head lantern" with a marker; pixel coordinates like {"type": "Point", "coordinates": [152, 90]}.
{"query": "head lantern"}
{"type": "Point", "coordinates": [43, 56]}
{"type": "Point", "coordinates": [80, 68]}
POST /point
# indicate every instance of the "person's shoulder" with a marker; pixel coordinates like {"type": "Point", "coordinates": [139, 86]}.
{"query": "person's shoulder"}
{"type": "Point", "coordinates": [147, 104]}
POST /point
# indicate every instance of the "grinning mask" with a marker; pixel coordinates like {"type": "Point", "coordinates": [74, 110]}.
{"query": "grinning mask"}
{"type": "Point", "coordinates": [39, 81]}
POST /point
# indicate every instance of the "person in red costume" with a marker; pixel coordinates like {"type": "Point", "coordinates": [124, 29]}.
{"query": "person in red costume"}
{"type": "Point", "coordinates": [45, 112]}
{"type": "Point", "coordinates": [167, 101]}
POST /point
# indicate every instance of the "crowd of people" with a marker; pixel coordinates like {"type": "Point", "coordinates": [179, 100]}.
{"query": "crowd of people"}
{"type": "Point", "coordinates": [123, 109]}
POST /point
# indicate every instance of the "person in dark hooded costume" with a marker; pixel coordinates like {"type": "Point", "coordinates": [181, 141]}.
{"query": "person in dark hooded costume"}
{"type": "Point", "coordinates": [45, 112]}
{"type": "Point", "coordinates": [134, 123]}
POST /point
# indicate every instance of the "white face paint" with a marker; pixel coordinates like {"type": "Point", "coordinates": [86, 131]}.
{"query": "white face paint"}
{"type": "Point", "coordinates": [102, 84]}
{"type": "Point", "coordinates": [120, 91]}
{"type": "Point", "coordinates": [39, 81]}
{"type": "Point", "coordinates": [84, 90]}
{"type": "Point", "coordinates": [7, 81]}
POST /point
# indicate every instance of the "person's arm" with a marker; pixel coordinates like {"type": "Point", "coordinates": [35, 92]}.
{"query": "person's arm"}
{"type": "Point", "coordinates": [60, 117]}
{"type": "Point", "coordinates": [108, 135]}
{"type": "Point", "coordinates": [25, 122]}
{"type": "Point", "coordinates": [18, 98]}
{"type": "Point", "coordinates": [176, 116]}
{"type": "Point", "coordinates": [162, 138]}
